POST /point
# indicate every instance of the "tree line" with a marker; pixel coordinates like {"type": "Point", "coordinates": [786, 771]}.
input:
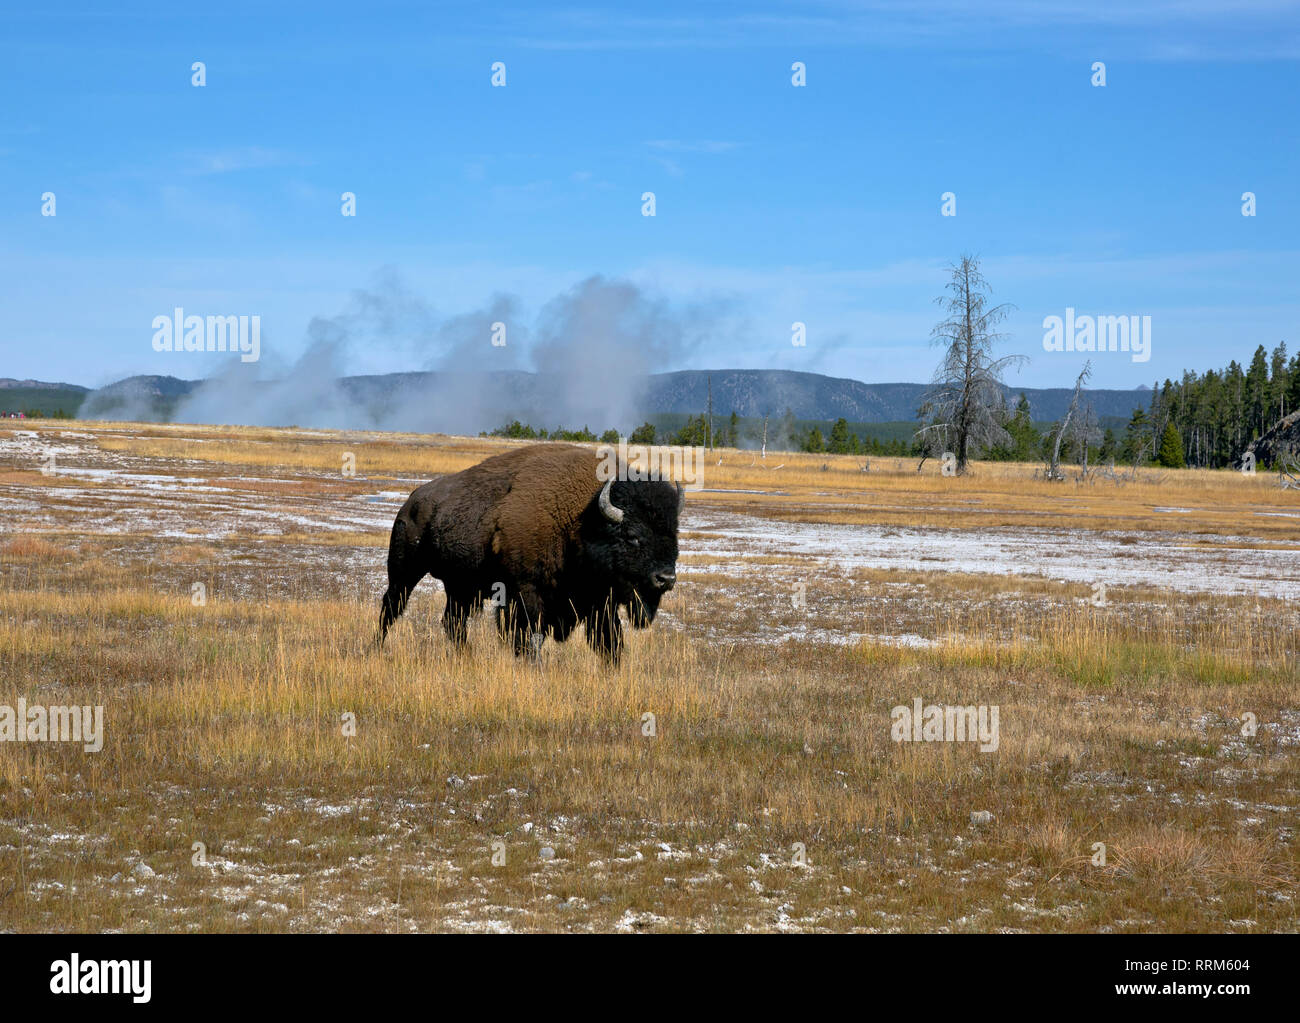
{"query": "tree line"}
{"type": "Point", "coordinates": [1204, 420]}
{"type": "Point", "coordinates": [1216, 415]}
{"type": "Point", "coordinates": [780, 434]}
{"type": "Point", "coordinates": [515, 430]}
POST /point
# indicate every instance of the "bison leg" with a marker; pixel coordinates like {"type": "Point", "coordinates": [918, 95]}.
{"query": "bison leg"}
{"type": "Point", "coordinates": [391, 608]}
{"type": "Point", "coordinates": [605, 633]}
{"type": "Point", "coordinates": [404, 574]}
{"type": "Point", "coordinates": [508, 623]}
{"type": "Point", "coordinates": [520, 622]}
{"type": "Point", "coordinates": [394, 601]}
{"type": "Point", "coordinates": [455, 618]}
{"type": "Point", "coordinates": [562, 626]}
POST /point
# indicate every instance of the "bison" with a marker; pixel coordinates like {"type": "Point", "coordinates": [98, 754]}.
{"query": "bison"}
{"type": "Point", "coordinates": [535, 531]}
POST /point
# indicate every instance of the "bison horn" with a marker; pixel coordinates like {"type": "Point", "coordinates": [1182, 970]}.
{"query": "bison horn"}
{"type": "Point", "coordinates": [607, 506]}
{"type": "Point", "coordinates": [681, 498]}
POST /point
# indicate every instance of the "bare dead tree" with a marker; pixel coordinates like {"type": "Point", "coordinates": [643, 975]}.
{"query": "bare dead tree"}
{"type": "Point", "coordinates": [963, 406]}
{"type": "Point", "coordinates": [1054, 465]}
{"type": "Point", "coordinates": [1053, 471]}
{"type": "Point", "coordinates": [1288, 469]}
{"type": "Point", "coordinates": [932, 444]}
{"type": "Point", "coordinates": [1107, 472]}
{"type": "Point", "coordinates": [1087, 432]}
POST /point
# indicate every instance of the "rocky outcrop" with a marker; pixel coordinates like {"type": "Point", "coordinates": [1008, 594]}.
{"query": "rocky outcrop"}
{"type": "Point", "coordinates": [1282, 438]}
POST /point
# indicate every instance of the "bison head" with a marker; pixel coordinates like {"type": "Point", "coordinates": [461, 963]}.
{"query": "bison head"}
{"type": "Point", "coordinates": [632, 542]}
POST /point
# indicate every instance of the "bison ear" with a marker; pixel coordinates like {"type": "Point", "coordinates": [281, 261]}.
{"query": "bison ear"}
{"type": "Point", "coordinates": [681, 498]}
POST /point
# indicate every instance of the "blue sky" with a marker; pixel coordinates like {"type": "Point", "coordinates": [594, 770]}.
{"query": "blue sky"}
{"type": "Point", "coordinates": [774, 203]}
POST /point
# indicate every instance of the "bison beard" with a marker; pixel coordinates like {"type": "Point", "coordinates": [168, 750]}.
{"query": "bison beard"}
{"type": "Point", "coordinates": [535, 531]}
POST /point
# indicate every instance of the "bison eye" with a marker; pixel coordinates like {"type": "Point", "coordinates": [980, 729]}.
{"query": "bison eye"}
{"type": "Point", "coordinates": [634, 542]}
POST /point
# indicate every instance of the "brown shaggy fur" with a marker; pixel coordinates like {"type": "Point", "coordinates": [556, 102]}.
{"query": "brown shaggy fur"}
{"type": "Point", "coordinates": [517, 519]}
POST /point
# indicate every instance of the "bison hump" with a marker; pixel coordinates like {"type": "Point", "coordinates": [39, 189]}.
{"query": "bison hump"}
{"type": "Point", "coordinates": [541, 511]}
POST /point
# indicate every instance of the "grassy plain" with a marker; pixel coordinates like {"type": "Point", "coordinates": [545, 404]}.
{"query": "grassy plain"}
{"type": "Point", "coordinates": [264, 769]}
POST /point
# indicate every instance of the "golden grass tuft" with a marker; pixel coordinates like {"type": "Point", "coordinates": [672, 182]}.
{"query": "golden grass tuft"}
{"type": "Point", "coordinates": [28, 547]}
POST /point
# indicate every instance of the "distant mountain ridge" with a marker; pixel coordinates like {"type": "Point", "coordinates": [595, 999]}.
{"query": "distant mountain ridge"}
{"type": "Point", "coordinates": [748, 392]}
{"type": "Point", "coordinates": [40, 397]}
{"type": "Point", "coordinates": [9, 383]}
{"type": "Point", "coordinates": [759, 392]}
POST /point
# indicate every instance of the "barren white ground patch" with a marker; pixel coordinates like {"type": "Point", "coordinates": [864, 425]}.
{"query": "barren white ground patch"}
{"type": "Point", "coordinates": [1160, 560]}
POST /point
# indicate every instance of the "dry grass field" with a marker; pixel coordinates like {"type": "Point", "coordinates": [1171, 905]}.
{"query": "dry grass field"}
{"type": "Point", "coordinates": [216, 589]}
